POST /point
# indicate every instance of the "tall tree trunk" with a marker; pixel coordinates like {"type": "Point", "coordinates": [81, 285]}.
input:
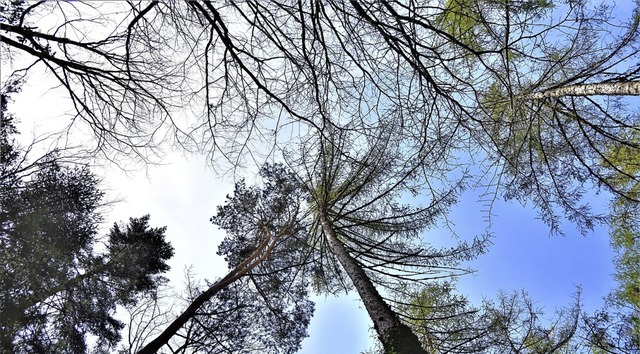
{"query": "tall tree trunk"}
{"type": "Point", "coordinates": [629, 88]}
{"type": "Point", "coordinates": [396, 337]}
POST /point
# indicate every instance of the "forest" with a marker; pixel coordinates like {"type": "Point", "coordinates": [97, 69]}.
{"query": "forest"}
{"type": "Point", "coordinates": [348, 133]}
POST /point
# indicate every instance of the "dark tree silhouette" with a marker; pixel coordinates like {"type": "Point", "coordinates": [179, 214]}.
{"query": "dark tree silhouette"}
{"type": "Point", "coordinates": [55, 287]}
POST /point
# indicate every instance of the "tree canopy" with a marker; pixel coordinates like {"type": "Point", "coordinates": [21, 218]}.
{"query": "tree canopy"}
{"type": "Point", "coordinates": [367, 102]}
{"type": "Point", "coordinates": [247, 75]}
{"type": "Point", "coordinates": [261, 304]}
{"type": "Point", "coordinates": [57, 287]}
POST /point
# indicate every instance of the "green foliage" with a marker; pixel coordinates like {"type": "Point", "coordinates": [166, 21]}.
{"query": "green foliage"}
{"type": "Point", "coordinates": [253, 213]}
{"type": "Point", "coordinates": [48, 226]}
{"type": "Point", "coordinates": [555, 148]}
{"type": "Point", "coordinates": [512, 129]}
{"type": "Point", "coordinates": [469, 22]}
{"type": "Point", "coordinates": [447, 323]}
{"type": "Point", "coordinates": [266, 310]}
{"type": "Point", "coordinates": [460, 21]}
{"type": "Point", "coordinates": [624, 157]}
{"type": "Point", "coordinates": [625, 223]}
{"type": "Point", "coordinates": [536, 143]}
{"type": "Point", "coordinates": [441, 318]}
{"type": "Point", "coordinates": [55, 288]}
{"type": "Point", "coordinates": [137, 257]}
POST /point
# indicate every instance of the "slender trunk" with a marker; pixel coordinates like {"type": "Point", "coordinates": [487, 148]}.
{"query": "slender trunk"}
{"type": "Point", "coordinates": [395, 335]}
{"type": "Point", "coordinates": [630, 88]}
{"type": "Point", "coordinates": [164, 337]}
{"type": "Point", "coordinates": [260, 254]}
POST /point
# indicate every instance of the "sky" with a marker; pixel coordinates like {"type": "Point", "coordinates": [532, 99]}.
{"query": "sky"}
{"type": "Point", "coordinates": [183, 193]}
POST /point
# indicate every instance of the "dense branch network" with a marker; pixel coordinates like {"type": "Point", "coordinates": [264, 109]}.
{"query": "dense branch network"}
{"type": "Point", "coordinates": [366, 101]}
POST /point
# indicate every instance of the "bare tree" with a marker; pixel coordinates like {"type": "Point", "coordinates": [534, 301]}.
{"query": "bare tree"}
{"type": "Point", "coordinates": [239, 80]}
{"type": "Point", "coordinates": [107, 61]}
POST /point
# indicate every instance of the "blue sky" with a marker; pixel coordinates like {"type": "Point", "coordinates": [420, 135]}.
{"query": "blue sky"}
{"type": "Point", "coordinates": [525, 256]}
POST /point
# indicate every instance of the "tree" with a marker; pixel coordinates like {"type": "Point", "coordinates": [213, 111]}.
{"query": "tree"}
{"type": "Point", "coordinates": [345, 39]}
{"type": "Point", "coordinates": [264, 294]}
{"type": "Point", "coordinates": [122, 75]}
{"type": "Point", "coordinates": [447, 323]}
{"type": "Point", "coordinates": [360, 231]}
{"type": "Point", "coordinates": [443, 320]}
{"type": "Point", "coordinates": [253, 70]}
{"type": "Point", "coordinates": [612, 329]}
{"type": "Point", "coordinates": [625, 233]}
{"type": "Point", "coordinates": [240, 318]}
{"type": "Point", "coordinates": [56, 287]}
{"type": "Point", "coordinates": [477, 79]}
{"type": "Point", "coordinates": [56, 309]}
{"type": "Point", "coordinates": [563, 126]}
{"type": "Point", "coordinates": [282, 237]}
{"type": "Point", "coordinates": [556, 101]}
{"type": "Point", "coordinates": [312, 65]}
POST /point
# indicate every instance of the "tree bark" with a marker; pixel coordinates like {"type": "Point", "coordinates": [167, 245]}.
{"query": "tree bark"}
{"type": "Point", "coordinates": [396, 337]}
{"type": "Point", "coordinates": [630, 88]}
